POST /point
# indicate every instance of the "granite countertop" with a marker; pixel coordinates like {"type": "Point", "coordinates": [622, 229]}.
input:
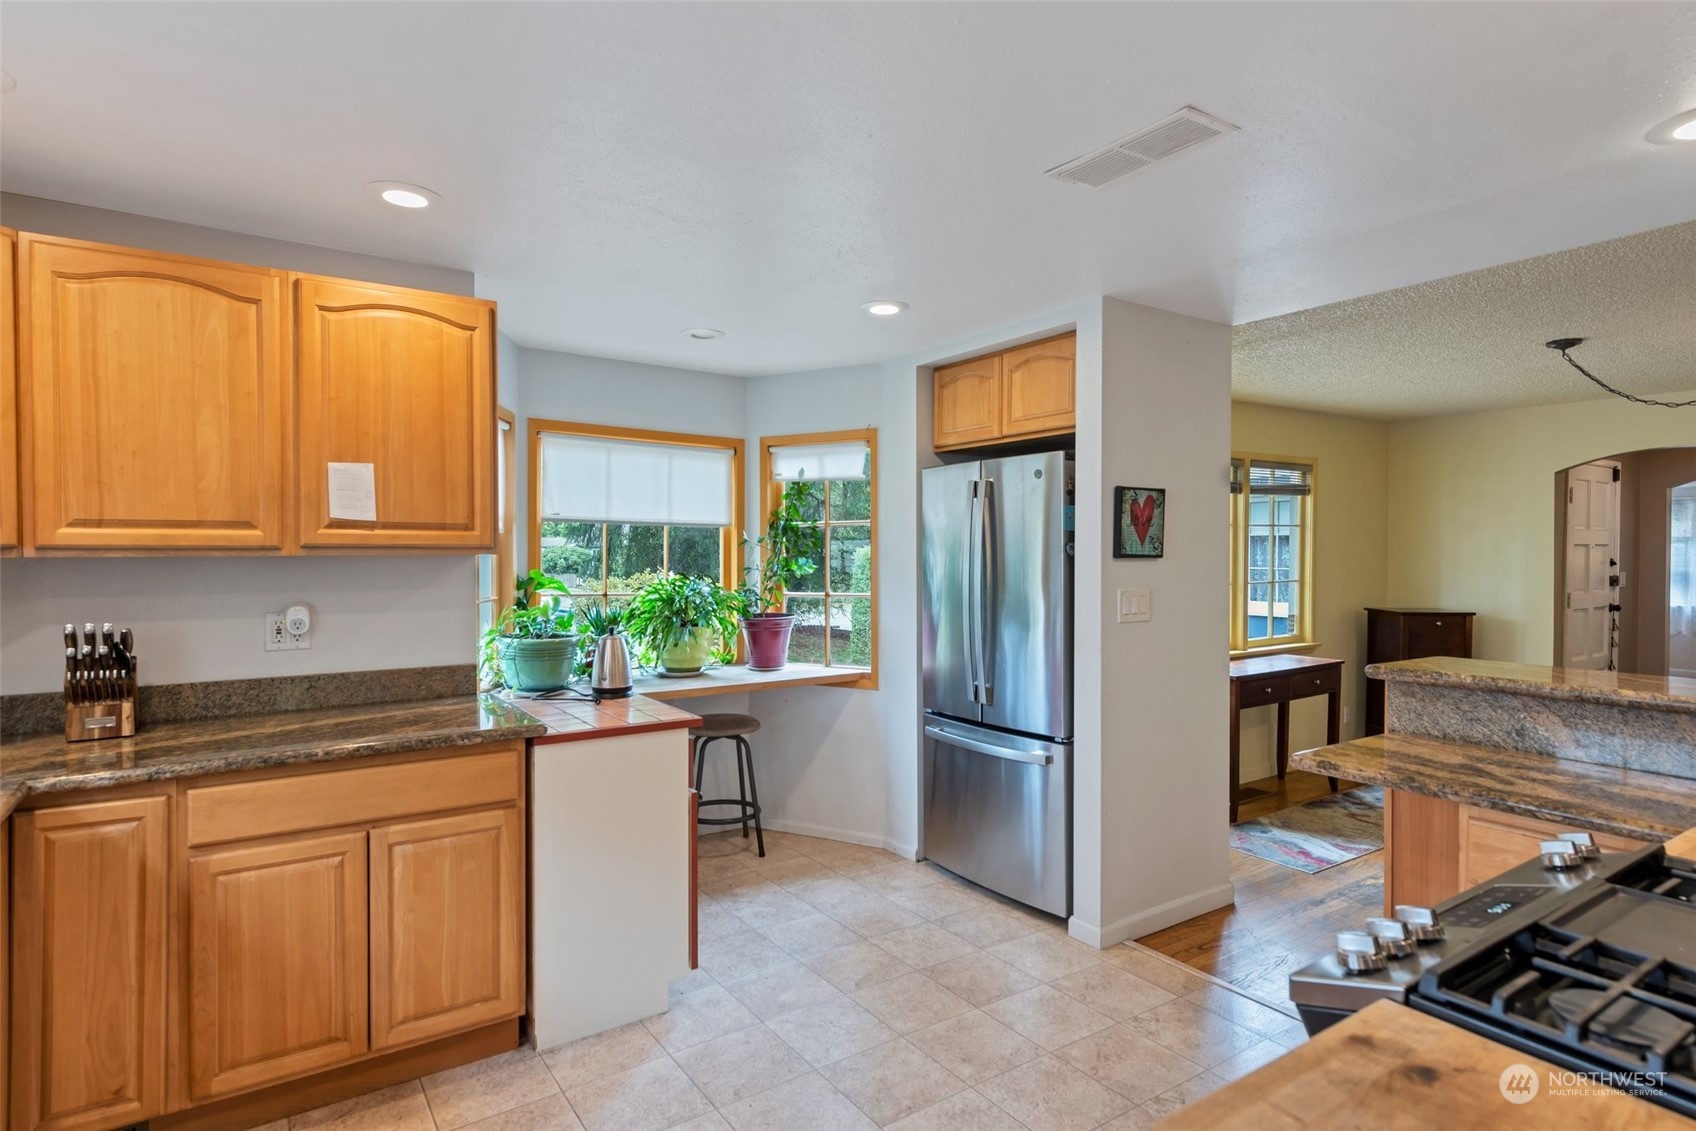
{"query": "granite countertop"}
{"type": "Point", "coordinates": [574, 719]}
{"type": "Point", "coordinates": [1630, 803]}
{"type": "Point", "coordinates": [1390, 1066]}
{"type": "Point", "coordinates": [1612, 688]}
{"type": "Point", "coordinates": [46, 763]}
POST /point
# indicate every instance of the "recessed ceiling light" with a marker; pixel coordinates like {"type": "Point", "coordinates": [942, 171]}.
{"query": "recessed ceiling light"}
{"type": "Point", "coordinates": [402, 195]}
{"type": "Point", "coordinates": [885, 307]}
{"type": "Point", "coordinates": [1679, 127]}
{"type": "Point", "coordinates": [702, 333]}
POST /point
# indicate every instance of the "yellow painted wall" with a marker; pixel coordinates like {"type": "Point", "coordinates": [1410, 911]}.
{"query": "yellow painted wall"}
{"type": "Point", "coordinates": [1350, 562]}
{"type": "Point", "coordinates": [1472, 518]}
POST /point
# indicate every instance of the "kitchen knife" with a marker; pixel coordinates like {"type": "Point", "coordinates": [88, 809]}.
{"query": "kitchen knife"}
{"type": "Point", "coordinates": [107, 684]}
{"type": "Point", "coordinates": [106, 636]}
{"type": "Point", "coordinates": [70, 671]}
{"type": "Point", "coordinates": [70, 636]}
{"type": "Point", "coordinates": [88, 635]}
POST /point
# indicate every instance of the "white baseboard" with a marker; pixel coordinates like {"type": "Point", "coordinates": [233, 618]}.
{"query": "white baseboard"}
{"type": "Point", "coordinates": [1153, 919]}
{"type": "Point", "coordinates": [825, 832]}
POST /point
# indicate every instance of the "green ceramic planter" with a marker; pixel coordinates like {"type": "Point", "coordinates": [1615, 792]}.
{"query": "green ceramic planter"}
{"type": "Point", "coordinates": [537, 665]}
{"type": "Point", "coordinates": [688, 655]}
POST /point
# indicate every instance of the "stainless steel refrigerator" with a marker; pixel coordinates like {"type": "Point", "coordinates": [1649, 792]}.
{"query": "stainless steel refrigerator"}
{"type": "Point", "coordinates": [997, 631]}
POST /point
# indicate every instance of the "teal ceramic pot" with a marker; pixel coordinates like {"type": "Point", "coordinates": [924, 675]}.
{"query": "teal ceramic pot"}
{"type": "Point", "coordinates": [689, 655]}
{"type": "Point", "coordinates": [537, 665]}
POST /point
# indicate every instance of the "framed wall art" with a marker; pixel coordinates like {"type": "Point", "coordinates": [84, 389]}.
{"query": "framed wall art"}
{"type": "Point", "coordinates": [1140, 522]}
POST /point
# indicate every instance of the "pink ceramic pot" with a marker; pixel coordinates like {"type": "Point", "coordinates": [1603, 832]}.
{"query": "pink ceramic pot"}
{"type": "Point", "coordinates": [768, 640]}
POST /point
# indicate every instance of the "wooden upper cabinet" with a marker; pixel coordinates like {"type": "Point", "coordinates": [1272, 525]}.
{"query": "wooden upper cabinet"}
{"type": "Point", "coordinates": [1017, 394]}
{"type": "Point", "coordinates": [9, 537]}
{"type": "Point", "coordinates": [447, 925]}
{"type": "Point", "coordinates": [403, 381]}
{"type": "Point", "coordinates": [966, 409]}
{"type": "Point", "coordinates": [154, 396]}
{"type": "Point", "coordinates": [1038, 388]}
{"type": "Point", "coordinates": [89, 932]}
{"type": "Point", "coordinates": [276, 961]}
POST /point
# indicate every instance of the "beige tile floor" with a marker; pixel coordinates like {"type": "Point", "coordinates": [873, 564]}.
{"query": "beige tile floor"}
{"type": "Point", "coordinates": [843, 988]}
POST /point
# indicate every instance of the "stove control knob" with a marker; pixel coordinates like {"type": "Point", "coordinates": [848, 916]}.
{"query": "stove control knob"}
{"type": "Point", "coordinates": [1584, 842]}
{"type": "Point", "coordinates": [1421, 922]}
{"type": "Point", "coordinates": [1392, 935]}
{"type": "Point", "coordinates": [1560, 855]}
{"type": "Point", "coordinates": [1359, 952]}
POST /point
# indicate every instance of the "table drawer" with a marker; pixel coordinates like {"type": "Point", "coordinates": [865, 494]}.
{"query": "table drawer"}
{"type": "Point", "coordinates": [1314, 683]}
{"type": "Point", "coordinates": [1263, 689]}
{"type": "Point", "coordinates": [325, 799]}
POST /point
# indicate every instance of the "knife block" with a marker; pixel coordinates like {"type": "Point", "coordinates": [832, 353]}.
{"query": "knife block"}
{"type": "Point", "coordinates": [106, 718]}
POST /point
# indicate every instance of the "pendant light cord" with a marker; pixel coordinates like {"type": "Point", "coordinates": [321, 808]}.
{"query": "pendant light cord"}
{"type": "Point", "coordinates": [1564, 344]}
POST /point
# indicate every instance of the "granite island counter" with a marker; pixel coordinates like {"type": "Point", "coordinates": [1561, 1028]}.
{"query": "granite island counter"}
{"type": "Point", "coordinates": [1484, 760]}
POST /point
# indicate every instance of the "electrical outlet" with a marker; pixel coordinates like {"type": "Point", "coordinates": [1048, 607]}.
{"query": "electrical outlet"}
{"type": "Point", "coordinates": [1347, 711]}
{"type": "Point", "coordinates": [278, 638]}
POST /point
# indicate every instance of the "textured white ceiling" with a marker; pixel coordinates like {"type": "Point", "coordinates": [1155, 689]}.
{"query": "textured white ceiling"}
{"type": "Point", "coordinates": [1475, 341]}
{"type": "Point", "coordinates": [617, 172]}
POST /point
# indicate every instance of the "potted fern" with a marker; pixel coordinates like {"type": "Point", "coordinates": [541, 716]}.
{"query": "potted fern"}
{"type": "Point", "coordinates": [533, 644]}
{"type": "Point", "coordinates": [677, 620]}
{"type": "Point", "coordinates": [786, 551]}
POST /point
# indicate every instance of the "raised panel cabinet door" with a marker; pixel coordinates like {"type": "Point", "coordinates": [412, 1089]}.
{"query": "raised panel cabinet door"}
{"type": "Point", "coordinates": [89, 940]}
{"type": "Point", "coordinates": [966, 402]}
{"type": "Point", "coordinates": [276, 961]}
{"type": "Point", "coordinates": [9, 535]}
{"type": "Point", "coordinates": [153, 391]}
{"type": "Point", "coordinates": [447, 925]}
{"type": "Point", "coordinates": [1038, 387]}
{"type": "Point", "coordinates": [402, 381]}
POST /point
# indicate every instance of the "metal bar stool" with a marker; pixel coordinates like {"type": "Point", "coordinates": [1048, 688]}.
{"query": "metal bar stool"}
{"type": "Point", "coordinates": [735, 728]}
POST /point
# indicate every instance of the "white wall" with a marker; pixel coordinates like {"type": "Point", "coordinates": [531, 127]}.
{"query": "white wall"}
{"type": "Point", "coordinates": [1151, 696]}
{"type": "Point", "coordinates": [202, 618]}
{"type": "Point", "coordinates": [1472, 520]}
{"type": "Point", "coordinates": [823, 762]}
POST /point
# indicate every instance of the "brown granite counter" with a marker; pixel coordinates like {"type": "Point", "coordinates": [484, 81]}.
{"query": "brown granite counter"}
{"type": "Point", "coordinates": [46, 763]}
{"type": "Point", "coordinates": [1536, 681]}
{"type": "Point", "coordinates": [1614, 799]}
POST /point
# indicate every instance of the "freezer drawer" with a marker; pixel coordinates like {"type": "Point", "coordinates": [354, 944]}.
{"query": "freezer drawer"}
{"type": "Point", "coordinates": [998, 811]}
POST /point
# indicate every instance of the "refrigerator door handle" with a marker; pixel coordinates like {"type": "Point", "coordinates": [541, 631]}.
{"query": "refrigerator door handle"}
{"type": "Point", "coordinates": [994, 750]}
{"type": "Point", "coordinates": [970, 599]}
{"type": "Point", "coordinates": [989, 578]}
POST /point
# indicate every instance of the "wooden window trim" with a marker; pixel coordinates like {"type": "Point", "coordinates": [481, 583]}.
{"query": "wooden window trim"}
{"type": "Point", "coordinates": [730, 541]}
{"type": "Point", "coordinates": [1240, 645]}
{"type": "Point", "coordinates": [769, 494]}
{"type": "Point", "coordinates": [506, 448]}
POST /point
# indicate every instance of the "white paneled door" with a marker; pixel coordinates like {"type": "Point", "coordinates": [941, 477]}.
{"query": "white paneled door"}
{"type": "Point", "coordinates": [1592, 551]}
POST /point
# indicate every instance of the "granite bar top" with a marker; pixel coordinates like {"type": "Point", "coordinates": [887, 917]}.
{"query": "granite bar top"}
{"type": "Point", "coordinates": [1661, 693]}
{"type": "Point", "coordinates": [572, 719]}
{"type": "Point", "coordinates": [1613, 799]}
{"type": "Point", "coordinates": [46, 763]}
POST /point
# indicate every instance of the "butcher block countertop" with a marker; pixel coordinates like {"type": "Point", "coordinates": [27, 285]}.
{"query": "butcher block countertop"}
{"type": "Point", "coordinates": [1390, 1067]}
{"type": "Point", "coordinates": [1611, 799]}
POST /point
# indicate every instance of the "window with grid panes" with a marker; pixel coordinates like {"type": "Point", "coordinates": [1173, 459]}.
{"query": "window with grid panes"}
{"type": "Point", "coordinates": [834, 606]}
{"type": "Point", "coordinates": [616, 508]}
{"type": "Point", "coordinates": [1272, 552]}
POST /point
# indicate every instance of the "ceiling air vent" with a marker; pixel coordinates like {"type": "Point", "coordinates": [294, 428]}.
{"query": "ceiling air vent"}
{"type": "Point", "coordinates": [1187, 128]}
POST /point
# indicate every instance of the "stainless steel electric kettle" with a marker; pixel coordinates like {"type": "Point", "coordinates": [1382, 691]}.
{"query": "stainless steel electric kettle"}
{"type": "Point", "coordinates": [609, 678]}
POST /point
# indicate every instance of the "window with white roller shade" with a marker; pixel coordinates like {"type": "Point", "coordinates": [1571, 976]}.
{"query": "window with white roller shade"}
{"type": "Point", "coordinates": [594, 479]}
{"type": "Point", "coordinates": [840, 461]}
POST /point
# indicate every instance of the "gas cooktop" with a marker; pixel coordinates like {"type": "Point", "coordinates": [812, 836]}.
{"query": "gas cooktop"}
{"type": "Point", "coordinates": [1586, 961]}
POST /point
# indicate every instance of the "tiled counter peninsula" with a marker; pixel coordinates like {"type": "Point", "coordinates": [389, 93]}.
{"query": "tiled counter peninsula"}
{"type": "Point", "coordinates": [1482, 760]}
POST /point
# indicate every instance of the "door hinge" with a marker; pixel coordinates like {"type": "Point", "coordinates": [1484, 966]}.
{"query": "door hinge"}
{"type": "Point", "coordinates": [1570, 496]}
{"type": "Point", "coordinates": [1616, 475]}
{"type": "Point", "coordinates": [1569, 600]}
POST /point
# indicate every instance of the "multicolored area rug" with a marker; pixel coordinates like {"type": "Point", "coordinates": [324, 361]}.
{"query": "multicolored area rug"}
{"type": "Point", "coordinates": [1318, 835]}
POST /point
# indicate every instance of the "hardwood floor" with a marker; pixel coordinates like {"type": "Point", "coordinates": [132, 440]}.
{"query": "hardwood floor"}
{"type": "Point", "coordinates": [1282, 918]}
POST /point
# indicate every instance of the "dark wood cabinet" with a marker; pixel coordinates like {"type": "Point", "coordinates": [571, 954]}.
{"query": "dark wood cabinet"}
{"type": "Point", "coordinates": [1409, 634]}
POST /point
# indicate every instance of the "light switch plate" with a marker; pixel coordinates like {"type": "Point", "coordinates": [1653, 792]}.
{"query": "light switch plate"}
{"type": "Point", "coordinates": [1135, 605]}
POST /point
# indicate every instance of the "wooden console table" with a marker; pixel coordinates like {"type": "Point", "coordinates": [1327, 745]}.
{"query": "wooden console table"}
{"type": "Point", "coordinates": [1262, 681]}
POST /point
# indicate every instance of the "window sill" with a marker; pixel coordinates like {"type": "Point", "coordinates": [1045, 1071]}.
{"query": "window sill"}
{"type": "Point", "coordinates": [1274, 650]}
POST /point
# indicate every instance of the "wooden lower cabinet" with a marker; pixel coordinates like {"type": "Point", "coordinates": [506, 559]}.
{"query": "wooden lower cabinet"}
{"type": "Point", "coordinates": [277, 954]}
{"type": "Point", "coordinates": [447, 925]}
{"type": "Point", "coordinates": [90, 904]}
{"type": "Point", "coordinates": [1435, 849]}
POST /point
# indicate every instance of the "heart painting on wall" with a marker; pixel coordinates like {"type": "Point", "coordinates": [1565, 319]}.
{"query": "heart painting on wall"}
{"type": "Point", "coordinates": [1141, 531]}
